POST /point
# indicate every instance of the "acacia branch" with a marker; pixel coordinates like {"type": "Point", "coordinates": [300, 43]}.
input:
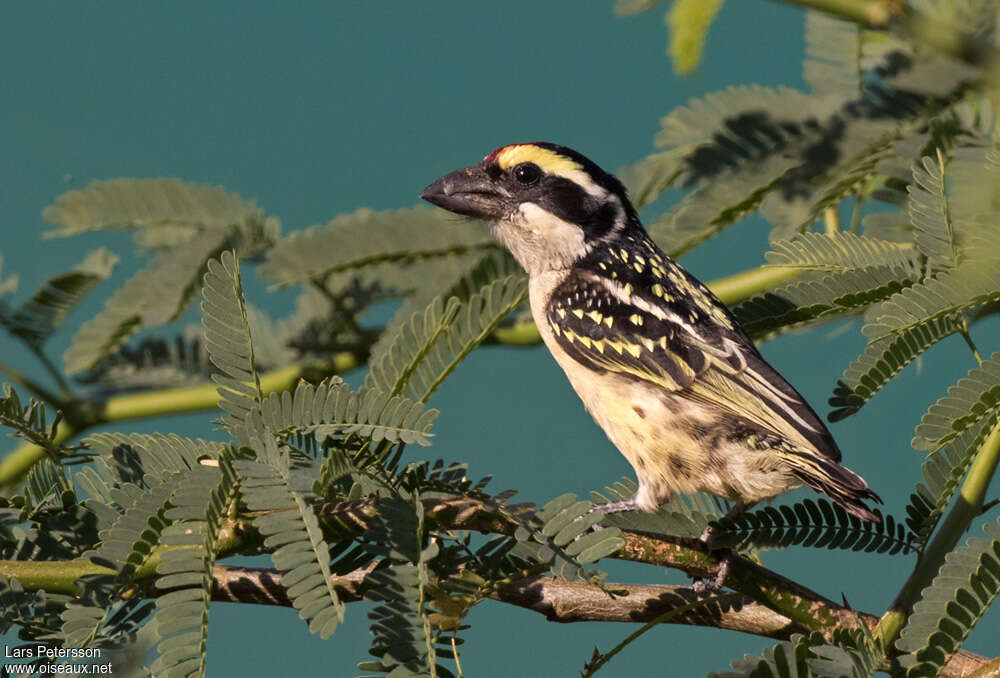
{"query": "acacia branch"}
{"type": "Point", "coordinates": [565, 601]}
{"type": "Point", "coordinates": [773, 606]}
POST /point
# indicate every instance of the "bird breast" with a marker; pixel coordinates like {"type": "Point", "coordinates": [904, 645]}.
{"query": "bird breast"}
{"type": "Point", "coordinates": [674, 444]}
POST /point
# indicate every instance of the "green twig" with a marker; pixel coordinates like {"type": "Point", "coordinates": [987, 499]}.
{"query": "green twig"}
{"type": "Point", "coordinates": [859, 203]}
{"type": "Point", "coordinates": [966, 509]}
{"type": "Point", "coordinates": [831, 222]}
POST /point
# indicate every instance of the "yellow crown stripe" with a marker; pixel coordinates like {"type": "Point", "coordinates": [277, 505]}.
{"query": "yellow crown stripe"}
{"type": "Point", "coordinates": [549, 161]}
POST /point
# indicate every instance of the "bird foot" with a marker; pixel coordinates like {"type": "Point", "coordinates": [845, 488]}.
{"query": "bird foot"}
{"type": "Point", "coordinates": [616, 506]}
{"type": "Point", "coordinates": [716, 585]}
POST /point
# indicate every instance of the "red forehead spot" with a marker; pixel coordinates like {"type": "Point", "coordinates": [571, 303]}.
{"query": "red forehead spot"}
{"type": "Point", "coordinates": [493, 156]}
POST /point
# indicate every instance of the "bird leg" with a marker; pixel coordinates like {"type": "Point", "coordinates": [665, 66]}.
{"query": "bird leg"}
{"type": "Point", "coordinates": [724, 555]}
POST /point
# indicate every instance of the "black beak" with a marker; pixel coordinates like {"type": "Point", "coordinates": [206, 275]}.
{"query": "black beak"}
{"type": "Point", "coordinates": [470, 192]}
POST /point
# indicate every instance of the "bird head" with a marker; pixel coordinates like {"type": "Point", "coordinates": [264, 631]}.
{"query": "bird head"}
{"type": "Point", "coordinates": [549, 205]}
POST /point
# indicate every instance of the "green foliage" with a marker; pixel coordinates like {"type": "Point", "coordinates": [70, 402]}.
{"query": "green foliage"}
{"type": "Point", "coordinates": [965, 587]}
{"type": "Point", "coordinates": [561, 536]}
{"type": "Point", "coordinates": [943, 471]}
{"type": "Point", "coordinates": [178, 208]}
{"type": "Point", "coordinates": [332, 408]}
{"type": "Point", "coordinates": [30, 422]}
{"type": "Point", "coordinates": [44, 312]}
{"type": "Point", "coordinates": [947, 294]}
{"type": "Point", "coordinates": [227, 339]}
{"type": "Point", "coordinates": [290, 528]}
{"type": "Point", "coordinates": [816, 523]}
{"type": "Point", "coordinates": [689, 21]}
{"type": "Point", "coordinates": [401, 633]}
{"type": "Point", "coordinates": [400, 237]}
{"type": "Point", "coordinates": [819, 297]}
{"type": "Point", "coordinates": [928, 212]}
{"type": "Point", "coordinates": [35, 612]}
{"type": "Point", "coordinates": [186, 224]}
{"type": "Point", "coordinates": [420, 354]}
{"type": "Point", "coordinates": [683, 515]}
{"type": "Point", "coordinates": [853, 654]}
{"type": "Point", "coordinates": [882, 360]}
{"type": "Point", "coordinates": [840, 252]}
{"type": "Point", "coordinates": [185, 572]}
{"type": "Point", "coordinates": [788, 659]}
{"type": "Point", "coordinates": [968, 402]}
{"type": "Point", "coordinates": [884, 122]}
{"type": "Point", "coordinates": [833, 56]}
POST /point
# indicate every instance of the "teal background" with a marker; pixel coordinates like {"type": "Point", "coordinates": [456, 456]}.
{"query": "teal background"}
{"type": "Point", "coordinates": [314, 109]}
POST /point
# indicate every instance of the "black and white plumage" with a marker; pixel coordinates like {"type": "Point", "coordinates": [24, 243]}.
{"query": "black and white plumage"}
{"type": "Point", "coordinates": [658, 360]}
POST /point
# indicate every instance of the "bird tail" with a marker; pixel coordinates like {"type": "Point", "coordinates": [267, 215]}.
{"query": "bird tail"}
{"type": "Point", "coordinates": [845, 487]}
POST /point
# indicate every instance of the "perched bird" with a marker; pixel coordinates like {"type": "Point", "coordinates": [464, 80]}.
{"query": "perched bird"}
{"type": "Point", "coordinates": [659, 362]}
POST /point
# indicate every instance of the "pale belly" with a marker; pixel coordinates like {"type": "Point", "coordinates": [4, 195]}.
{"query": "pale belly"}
{"type": "Point", "coordinates": [675, 445]}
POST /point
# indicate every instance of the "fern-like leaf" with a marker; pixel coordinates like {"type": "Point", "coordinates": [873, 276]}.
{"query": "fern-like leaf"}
{"type": "Point", "coordinates": [943, 472]}
{"type": "Point", "coordinates": [332, 408]}
{"type": "Point", "coordinates": [647, 179]}
{"type": "Point", "coordinates": [154, 296]}
{"type": "Point", "coordinates": [42, 314]}
{"type": "Point", "coordinates": [819, 297]}
{"type": "Point", "coordinates": [683, 515]}
{"type": "Point", "coordinates": [423, 352]}
{"type": "Point", "coordinates": [812, 522]}
{"type": "Point", "coordinates": [197, 507]}
{"type": "Point", "coordinates": [147, 203]}
{"type": "Point", "coordinates": [968, 402]}
{"type": "Point", "coordinates": [788, 659]}
{"type": "Point", "coordinates": [856, 655]}
{"type": "Point", "coordinates": [961, 593]}
{"type": "Point", "coordinates": [36, 612]}
{"type": "Point", "coordinates": [882, 360]}
{"type": "Point", "coordinates": [928, 212]}
{"type": "Point", "coordinates": [366, 238]}
{"type": "Point", "coordinates": [833, 56]}
{"type": "Point", "coordinates": [561, 536]}
{"type": "Point", "coordinates": [402, 638]}
{"type": "Point", "coordinates": [947, 294]}
{"type": "Point", "coordinates": [840, 252]}
{"type": "Point", "coordinates": [30, 422]}
{"type": "Point", "coordinates": [130, 456]}
{"type": "Point", "coordinates": [227, 339]}
{"type": "Point", "coordinates": [128, 542]}
{"type": "Point", "coordinates": [291, 528]}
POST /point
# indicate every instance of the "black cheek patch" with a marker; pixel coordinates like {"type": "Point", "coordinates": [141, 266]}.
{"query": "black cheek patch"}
{"type": "Point", "coordinates": [568, 201]}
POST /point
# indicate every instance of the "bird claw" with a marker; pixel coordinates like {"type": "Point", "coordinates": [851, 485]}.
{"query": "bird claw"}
{"type": "Point", "coordinates": [716, 585]}
{"type": "Point", "coordinates": [700, 585]}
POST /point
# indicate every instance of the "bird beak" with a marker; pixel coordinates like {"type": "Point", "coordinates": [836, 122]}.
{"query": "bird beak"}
{"type": "Point", "coordinates": [470, 192]}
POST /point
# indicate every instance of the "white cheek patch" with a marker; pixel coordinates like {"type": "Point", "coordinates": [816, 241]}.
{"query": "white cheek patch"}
{"type": "Point", "coordinates": [558, 233]}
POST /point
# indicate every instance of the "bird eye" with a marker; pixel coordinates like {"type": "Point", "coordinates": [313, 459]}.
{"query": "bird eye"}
{"type": "Point", "coordinates": [527, 173]}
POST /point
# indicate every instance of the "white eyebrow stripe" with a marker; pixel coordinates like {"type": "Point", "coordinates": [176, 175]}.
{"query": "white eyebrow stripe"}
{"type": "Point", "coordinates": [583, 180]}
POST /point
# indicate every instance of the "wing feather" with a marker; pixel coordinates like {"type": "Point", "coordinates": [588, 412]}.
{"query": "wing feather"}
{"type": "Point", "coordinates": [682, 347]}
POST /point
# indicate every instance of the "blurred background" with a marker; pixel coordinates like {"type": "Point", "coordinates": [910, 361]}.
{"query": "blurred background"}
{"type": "Point", "coordinates": [315, 109]}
